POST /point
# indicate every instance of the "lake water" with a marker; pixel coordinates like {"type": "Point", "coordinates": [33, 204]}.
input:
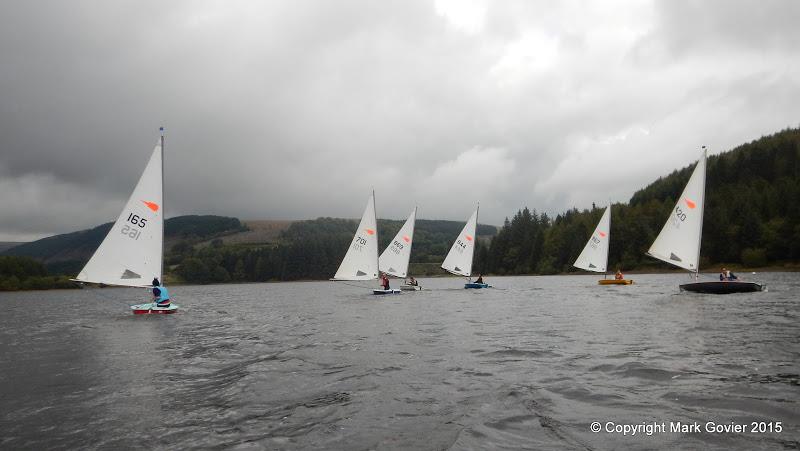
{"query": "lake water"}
{"type": "Point", "coordinates": [529, 364]}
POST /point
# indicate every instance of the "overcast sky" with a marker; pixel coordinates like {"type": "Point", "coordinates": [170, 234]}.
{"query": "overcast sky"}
{"type": "Point", "coordinates": [296, 109]}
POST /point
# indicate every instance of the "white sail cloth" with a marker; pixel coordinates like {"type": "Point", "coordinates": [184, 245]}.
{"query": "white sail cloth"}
{"type": "Point", "coordinates": [679, 240]}
{"type": "Point", "coordinates": [131, 253]}
{"type": "Point", "coordinates": [394, 259]}
{"type": "Point", "coordinates": [361, 260]}
{"type": "Point", "coordinates": [595, 255]}
{"type": "Point", "coordinates": [459, 259]}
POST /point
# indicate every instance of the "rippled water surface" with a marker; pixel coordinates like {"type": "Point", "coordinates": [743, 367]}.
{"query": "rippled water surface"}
{"type": "Point", "coordinates": [528, 364]}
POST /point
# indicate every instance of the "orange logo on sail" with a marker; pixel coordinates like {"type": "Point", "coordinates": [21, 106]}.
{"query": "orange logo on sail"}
{"type": "Point", "coordinates": [406, 239]}
{"type": "Point", "coordinates": [369, 231]}
{"type": "Point", "coordinates": [151, 205]}
{"type": "Point", "coordinates": [690, 204]}
{"type": "Point", "coordinates": [469, 237]}
{"type": "Point", "coordinates": [602, 235]}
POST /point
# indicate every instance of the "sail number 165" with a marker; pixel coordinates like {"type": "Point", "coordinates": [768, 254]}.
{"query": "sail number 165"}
{"type": "Point", "coordinates": [130, 230]}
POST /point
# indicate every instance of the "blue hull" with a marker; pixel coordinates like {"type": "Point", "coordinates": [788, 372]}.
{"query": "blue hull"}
{"type": "Point", "coordinates": [476, 285]}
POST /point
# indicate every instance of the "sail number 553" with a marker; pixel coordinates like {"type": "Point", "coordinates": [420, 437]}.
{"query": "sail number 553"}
{"type": "Point", "coordinates": [130, 230]}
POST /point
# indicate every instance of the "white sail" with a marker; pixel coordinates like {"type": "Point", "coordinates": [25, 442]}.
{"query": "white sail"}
{"type": "Point", "coordinates": [361, 260]}
{"type": "Point", "coordinates": [595, 255]}
{"type": "Point", "coordinates": [130, 255]}
{"type": "Point", "coordinates": [394, 260]}
{"type": "Point", "coordinates": [679, 240]}
{"type": "Point", "coordinates": [459, 259]}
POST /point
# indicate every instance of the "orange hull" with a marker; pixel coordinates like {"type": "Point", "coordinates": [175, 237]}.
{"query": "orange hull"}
{"type": "Point", "coordinates": [615, 282]}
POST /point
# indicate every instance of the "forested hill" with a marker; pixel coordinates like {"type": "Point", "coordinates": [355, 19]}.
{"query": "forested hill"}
{"type": "Point", "coordinates": [312, 250]}
{"type": "Point", "coordinates": [67, 253]}
{"type": "Point", "coordinates": [752, 217]}
{"type": "Point", "coordinates": [205, 249]}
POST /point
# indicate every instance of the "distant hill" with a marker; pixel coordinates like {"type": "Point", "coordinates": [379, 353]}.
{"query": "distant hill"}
{"type": "Point", "coordinates": [67, 253]}
{"type": "Point", "coordinates": [6, 245]}
{"type": "Point", "coordinates": [311, 249]}
{"type": "Point", "coordinates": [306, 249]}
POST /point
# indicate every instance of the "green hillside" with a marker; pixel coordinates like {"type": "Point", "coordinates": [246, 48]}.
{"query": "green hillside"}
{"type": "Point", "coordinates": [311, 250]}
{"type": "Point", "coordinates": [752, 217]}
{"type": "Point", "coordinates": [67, 253]}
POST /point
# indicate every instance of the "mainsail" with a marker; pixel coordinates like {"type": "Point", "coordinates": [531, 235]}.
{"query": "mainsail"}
{"type": "Point", "coordinates": [394, 260]}
{"type": "Point", "coordinates": [130, 255]}
{"type": "Point", "coordinates": [595, 255]}
{"type": "Point", "coordinates": [459, 259]}
{"type": "Point", "coordinates": [679, 240]}
{"type": "Point", "coordinates": [361, 260]}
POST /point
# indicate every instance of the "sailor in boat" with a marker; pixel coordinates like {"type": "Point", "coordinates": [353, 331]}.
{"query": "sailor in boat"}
{"type": "Point", "coordinates": [160, 294]}
{"type": "Point", "coordinates": [412, 281]}
{"type": "Point", "coordinates": [726, 275]}
{"type": "Point", "coordinates": [384, 281]}
{"type": "Point", "coordinates": [619, 275]}
{"type": "Point", "coordinates": [479, 279]}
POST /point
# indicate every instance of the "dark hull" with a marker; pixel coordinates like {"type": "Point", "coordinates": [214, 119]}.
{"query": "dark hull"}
{"type": "Point", "coordinates": [721, 287]}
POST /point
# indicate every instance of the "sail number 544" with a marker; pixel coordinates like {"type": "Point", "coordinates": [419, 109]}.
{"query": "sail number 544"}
{"type": "Point", "coordinates": [130, 230]}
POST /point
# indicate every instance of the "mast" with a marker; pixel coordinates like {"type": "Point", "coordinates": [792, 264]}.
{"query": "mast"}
{"type": "Point", "coordinates": [377, 241]}
{"type": "Point", "coordinates": [475, 246]}
{"type": "Point", "coordinates": [605, 273]}
{"type": "Point", "coordinates": [163, 210]}
{"type": "Point", "coordinates": [702, 213]}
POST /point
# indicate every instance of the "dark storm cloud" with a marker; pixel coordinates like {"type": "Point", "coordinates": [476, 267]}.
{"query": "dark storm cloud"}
{"type": "Point", "coordinates": [297, 109]}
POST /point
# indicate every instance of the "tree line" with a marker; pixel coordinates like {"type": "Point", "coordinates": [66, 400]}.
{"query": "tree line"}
{"type": "Point", "coordinates": [308, 250]}
{"type": "Point", "coordinates": [752, 217]}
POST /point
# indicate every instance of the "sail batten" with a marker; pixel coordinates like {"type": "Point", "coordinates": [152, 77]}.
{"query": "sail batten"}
{"type": "Point", "coordinates": [459, 259]}
{"type": "Point", "coordinates": [130, 255]}
{"type": "Point", "coordinates": [394, 259]}
{"type": "Point", "coordinates": [361, 260]}
{"type": "Point", "coordinates": [680, 238]}
{"type": "Point", "coordinates": [594, 256]}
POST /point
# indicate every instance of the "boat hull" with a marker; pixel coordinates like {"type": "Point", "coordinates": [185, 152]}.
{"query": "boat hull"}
{"type": "Point", "coordinates": [476, 285]}
{"type": "Point", "coordinates": [723, 287]}
{"type": "Point", "coordinates": [410, 288]}
{"type": "Point", "coordinates": [615, 282]}
{"type": "Point", "coordinates": [378, 292]}
{"type": "Point", "coordinates": [150, 309]}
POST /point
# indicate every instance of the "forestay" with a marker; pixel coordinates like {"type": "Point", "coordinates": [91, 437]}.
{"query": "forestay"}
{"type": "Point", "coordinates": [459, 259]}
{"type": "Point", "coordinates": [394, 260]}
{"type": "Point", "coordinates": [679, 240]}
{"type": "Point", "coordinates": [130, 255]}
{"type": "Point", "coordinates": [361, 260]}
{"type": "Point", "coordinates": [595, 255]}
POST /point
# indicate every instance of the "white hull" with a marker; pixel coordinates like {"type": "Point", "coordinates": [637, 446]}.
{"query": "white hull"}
{"type": "Point", "coordinates": [410, 287]}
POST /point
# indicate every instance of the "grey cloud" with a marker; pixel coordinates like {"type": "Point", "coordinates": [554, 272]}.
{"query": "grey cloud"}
{"type": "Point", "coordinates": [298, 109]}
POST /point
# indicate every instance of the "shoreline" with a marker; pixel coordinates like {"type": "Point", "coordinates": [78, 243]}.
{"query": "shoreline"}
{"type": "Point", "coordinates": [766, 269]}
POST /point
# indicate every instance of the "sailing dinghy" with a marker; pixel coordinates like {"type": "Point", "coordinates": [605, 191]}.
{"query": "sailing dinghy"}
{"type": "Point", "coordinates": [595, 255]}
{"type": "Point", "coordinates": [394, 259]}
{"type": "Point", "coordinates": [131, 255]}
{"type": "Point", "coordinates": [679, 240]}
{"type": "Point", "coordinates": [361, 260]}
{"type": "Point", "coordinates": [459, 259]}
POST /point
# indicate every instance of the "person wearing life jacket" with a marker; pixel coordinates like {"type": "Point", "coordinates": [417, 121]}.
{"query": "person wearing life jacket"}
{"type": "Point", "coordinates": [385, 282]}
{"type": "Point", "coordinates": [619, 275]}
{"type": "Point", "coordinates": [160, 294]}
{"type": "Point", "coordinates": [479, 279]}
